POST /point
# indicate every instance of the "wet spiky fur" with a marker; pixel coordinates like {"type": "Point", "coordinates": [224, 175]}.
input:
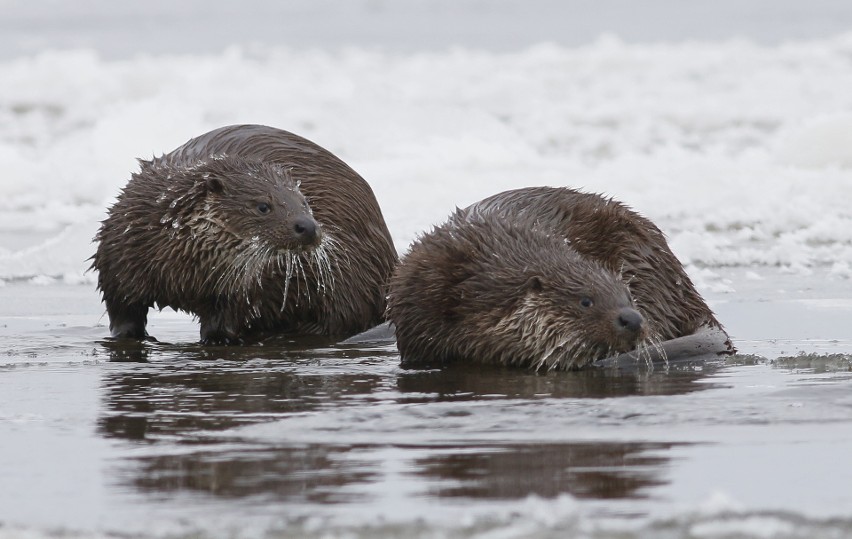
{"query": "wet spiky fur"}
{"type": "Point", "coordinates": [612, 235]}
{"type": "Point", "coordinates": [494, 290]}
{"type": "Point", "coordinates": [175, 239]}
{"type": "Point", "coordinates": [462, 291]}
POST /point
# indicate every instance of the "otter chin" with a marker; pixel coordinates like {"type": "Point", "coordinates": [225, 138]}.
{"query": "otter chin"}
{"type": "Point", "coordinates": [251, 229]}
{"type": "Point", "coordinates": [486, 289]}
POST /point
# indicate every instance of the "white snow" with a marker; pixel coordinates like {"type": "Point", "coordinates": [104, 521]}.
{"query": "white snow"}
{"type": "Point", "coordinates": [741, 153]}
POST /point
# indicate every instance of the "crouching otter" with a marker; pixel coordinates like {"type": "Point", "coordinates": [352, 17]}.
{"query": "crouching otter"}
{"type": "Point", "coordinates": [250, 228]}
{"type": "Point", "coordinates": [549, 278]}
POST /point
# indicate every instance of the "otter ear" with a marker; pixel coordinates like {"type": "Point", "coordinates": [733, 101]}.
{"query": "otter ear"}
{"type": "Point", "coordinates": [534, 284]}
{"type": "Point", "coordinates": [214, 184]}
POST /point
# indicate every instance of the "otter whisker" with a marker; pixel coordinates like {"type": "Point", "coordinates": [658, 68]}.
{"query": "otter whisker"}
{"type": "Point", "coordinates": [545, 358]}
{"type": "Point", "coordinates": [320, 263]}
{"type": "Point", "coordinates": [332, 244]}
{"type": "Point", "coordinates": [656, 342]}
{"type": "Point", "coordinates": [330, 250]}
{"type": "Point", "coordinates": [228, 276]}
{"type": "Point", "coordinates": [571, 352]}
{"type": "Point", "coordinates": [300, 272]}
{"type": "Point", "coordinates": [288, 274]}
{"type": "Point", "coordinates": [245, 271]}
{"type": "Point", "coordinates": [641, 353]}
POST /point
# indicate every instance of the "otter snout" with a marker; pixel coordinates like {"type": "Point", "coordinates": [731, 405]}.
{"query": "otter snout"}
{"type": "Point", "coordinates": [630, 322]}
{"type": "Point", "coordinates": [306, 230]}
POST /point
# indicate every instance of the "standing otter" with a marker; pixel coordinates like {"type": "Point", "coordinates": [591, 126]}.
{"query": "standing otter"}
{"type": "Point", "coordinates": [617, 238]}
{"type": "Point", "coordinates": [494, 290]}
{"type": "Point", "coordinates": [250, 228]}
{"type": "Point", "coordinates": [542, 277]}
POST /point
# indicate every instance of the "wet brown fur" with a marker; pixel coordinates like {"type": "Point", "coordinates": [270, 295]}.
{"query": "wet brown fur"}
{"type": "Point", "coordinates": [494, 290]}
{"type": "Point", "coordinates": [612, 235]}
{"type": "Point", "coordinates": [149, 255]}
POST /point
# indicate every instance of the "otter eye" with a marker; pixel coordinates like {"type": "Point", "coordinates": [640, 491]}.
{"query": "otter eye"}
{"type": "Point", "coordinates": [587, 302]}
{"type": "Point", "coordinates": [264, 208]}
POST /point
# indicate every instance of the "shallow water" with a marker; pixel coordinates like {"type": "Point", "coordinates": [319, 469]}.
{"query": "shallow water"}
{"type": "Point", "coordinates": [287, 439]}
{"type": "Point", "coordinates": [714, 119]}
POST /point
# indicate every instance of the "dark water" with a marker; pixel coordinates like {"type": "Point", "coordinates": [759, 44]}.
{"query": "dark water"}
{"type": "Point", "coordinates": [281, 439]}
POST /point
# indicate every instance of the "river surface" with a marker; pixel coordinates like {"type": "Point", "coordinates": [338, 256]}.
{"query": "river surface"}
{"type": "Point", "coordinates": [312, 439]}
{"type": "Point", "coordinates": [727, 123]}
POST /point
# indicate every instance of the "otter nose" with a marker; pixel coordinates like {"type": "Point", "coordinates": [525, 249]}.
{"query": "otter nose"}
{"type": "Point", "coordinates": [629, 320]}
{"type": "Point", "coordinates": [306, 230]}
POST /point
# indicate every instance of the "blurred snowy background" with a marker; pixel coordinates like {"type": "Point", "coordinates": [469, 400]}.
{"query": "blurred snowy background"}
{"type": "Point", "coordinates": [728, 123]}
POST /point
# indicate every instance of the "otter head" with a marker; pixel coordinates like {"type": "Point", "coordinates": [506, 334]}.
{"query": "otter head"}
{"type": "Point", "coordinates": [573, 312]}
{"type": "Point", "coordinates": [259, 203]}
{"type": "Point", "coordinates": [523, 296]}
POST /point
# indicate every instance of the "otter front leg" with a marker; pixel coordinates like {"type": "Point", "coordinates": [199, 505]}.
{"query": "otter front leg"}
{"type": "Point", "coordinates": [220, 327]}
{"type": "Point", "coordinates": [127, 321]}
